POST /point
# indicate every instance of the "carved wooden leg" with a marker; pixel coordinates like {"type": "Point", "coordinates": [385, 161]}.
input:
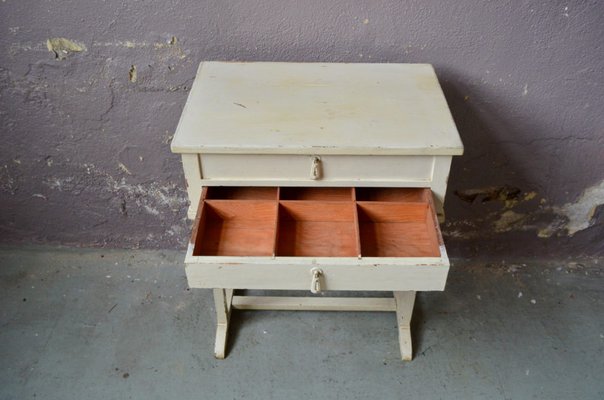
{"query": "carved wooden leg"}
{"type": "Point", "coordinates": [222, 302]}
{"type": "Point", "coordinates": [404, 311]}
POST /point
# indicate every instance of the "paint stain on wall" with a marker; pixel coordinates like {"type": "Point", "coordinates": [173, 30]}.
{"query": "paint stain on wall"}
{"type": "Point", "coordinates": [132, 74]}
{"type": "Point", "coordinates": [509, 220]}
{"type": "Point", "coordinates": [62, 47]}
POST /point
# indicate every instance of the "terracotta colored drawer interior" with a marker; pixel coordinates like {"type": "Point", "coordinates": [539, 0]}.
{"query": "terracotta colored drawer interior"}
{"type": "Point", "coordinates": [316, 222]}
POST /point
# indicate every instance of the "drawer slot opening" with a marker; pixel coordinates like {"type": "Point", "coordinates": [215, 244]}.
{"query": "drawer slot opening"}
{"type": "Point", "coordinates": [236, 228]}
{"type": "Point", "coordinates": [241, 193]}
{"type": "Point", "coordinates": [317, 229]}
{"type": "Point", "coordinates": [391, 194]}
{"type": "Point", "coordinates": [397, 230]}
{"type": "Point", "coordinates": [313, 193]}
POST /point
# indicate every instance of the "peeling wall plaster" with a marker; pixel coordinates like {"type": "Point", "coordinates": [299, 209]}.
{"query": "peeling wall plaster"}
{"type": "Point", "coordinates": [580, 214]}
{"type": "Point", "coordinates": [62, 47]}
{"type": "Point", "coordinates": [90, 96]}
{"type": "Point", "coordinates": [544, 221]}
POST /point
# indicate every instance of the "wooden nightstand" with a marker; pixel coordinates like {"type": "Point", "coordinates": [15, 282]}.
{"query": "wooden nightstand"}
{"type": "Point", "coordinates": [318, 177]}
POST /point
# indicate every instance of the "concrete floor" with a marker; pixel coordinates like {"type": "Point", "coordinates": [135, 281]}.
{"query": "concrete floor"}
{"type": "Point", "coordinates": [96, 324]}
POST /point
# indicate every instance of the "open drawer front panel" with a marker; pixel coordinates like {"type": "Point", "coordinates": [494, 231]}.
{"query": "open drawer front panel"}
{"type": "Point", "coordinates": [358, 238]}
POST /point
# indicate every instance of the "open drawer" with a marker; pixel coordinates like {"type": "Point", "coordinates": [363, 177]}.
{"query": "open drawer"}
{"type": "Point", "coordinates": [300, 238]}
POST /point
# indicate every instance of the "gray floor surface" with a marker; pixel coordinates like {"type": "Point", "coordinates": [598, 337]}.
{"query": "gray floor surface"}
{"type": "Point", "coordinates": [100, 324]}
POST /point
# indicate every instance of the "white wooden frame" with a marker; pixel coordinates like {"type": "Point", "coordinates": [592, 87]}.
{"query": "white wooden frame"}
{"type": "Point", "coordinates": [402, 304]}
{"type": "Point", "coordinates": [236, 131]}
{"type": "Point", "coordinates": [342, 273]}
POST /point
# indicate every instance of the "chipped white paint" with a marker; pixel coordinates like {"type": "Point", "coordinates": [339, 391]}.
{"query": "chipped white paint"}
{"type": "Point", "coordinates": [525, 89]}
{"type": "Point", "coordinates": [581, 212]}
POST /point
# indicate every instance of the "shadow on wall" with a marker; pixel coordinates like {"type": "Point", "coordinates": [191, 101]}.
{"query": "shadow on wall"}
{"type": "Point", "coordinates": [498, 193]}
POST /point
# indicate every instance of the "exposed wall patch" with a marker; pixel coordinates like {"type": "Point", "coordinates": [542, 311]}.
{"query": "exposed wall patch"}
{"type": "Point", "coordinates": [63, 47]}
{"type": "Point", "coordinates": [581, 213]}
{"type": "Point", "coordinates": [508, 221]}
{"type": "Point", "coordinates": [509, 195]}
{"type": "Point", "coordinates": [132, 75]}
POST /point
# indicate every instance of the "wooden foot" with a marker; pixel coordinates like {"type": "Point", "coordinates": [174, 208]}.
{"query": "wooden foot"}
{"type": "Point", "coordinates": [222, 302]}
{"type": "Point", "coordinates": [404, 310]}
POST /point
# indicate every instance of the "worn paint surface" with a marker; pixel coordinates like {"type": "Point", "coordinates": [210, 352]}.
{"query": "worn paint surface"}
{"type": "Point", "coordinates": [90, 96]}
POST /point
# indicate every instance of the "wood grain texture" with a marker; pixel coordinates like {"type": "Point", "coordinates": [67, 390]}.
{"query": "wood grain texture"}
{"type": "Point", "coordinates": [316, 228]}
{"type": "Point", "coordinates": [311, 210]}
{"type": "Point", "coordinates": [199, 218]}
{"type": "Point", "coordinates": [357, 230]}
{"type": "Point", "coordinates": [316, 239]}
{"type": "Point", "coordinates": [392, 211]}
{"type": "Point", "coordinates": [237, 228]}
{"type": "Point", "coordinates": [397, 230]}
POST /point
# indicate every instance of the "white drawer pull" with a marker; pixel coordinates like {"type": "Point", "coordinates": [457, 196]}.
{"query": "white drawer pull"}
{"type": "Point", "coordinates": [315, 283]}
{"type": "Point", "coordinates": [315, 168]}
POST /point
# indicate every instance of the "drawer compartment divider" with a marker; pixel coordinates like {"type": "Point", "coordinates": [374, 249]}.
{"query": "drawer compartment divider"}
{"type": "Point", "coordinates": [357, 226]}
{"type": "Point", "coordinates": [276, 227]}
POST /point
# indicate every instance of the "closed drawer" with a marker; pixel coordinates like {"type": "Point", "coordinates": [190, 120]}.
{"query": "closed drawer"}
{"type": "Point", "coordinates": [384, 239]}
{"type": "Point", "coordinates": [325, 169]}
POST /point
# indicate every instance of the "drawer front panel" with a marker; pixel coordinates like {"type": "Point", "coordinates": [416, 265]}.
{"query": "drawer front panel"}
{"type": "Point", "coordinates": [282, 168]}
{"type": "Point", "coordinates": [351, 238]}
{"type": "Point", "coordinates": [279, 274]}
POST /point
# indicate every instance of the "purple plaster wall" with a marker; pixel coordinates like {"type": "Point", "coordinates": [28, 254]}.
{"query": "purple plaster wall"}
{"type": "Point", "coordinates": [85, 154]}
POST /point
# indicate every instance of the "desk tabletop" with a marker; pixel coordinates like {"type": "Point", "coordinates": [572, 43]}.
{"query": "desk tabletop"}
{"type": "Point", "coordinates": [316, 108]}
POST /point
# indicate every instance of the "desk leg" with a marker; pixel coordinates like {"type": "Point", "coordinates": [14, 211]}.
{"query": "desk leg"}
{"type": "Point", "coordinates": [222, 302]}
{"type": "Point", "coordinates": [404, 311]}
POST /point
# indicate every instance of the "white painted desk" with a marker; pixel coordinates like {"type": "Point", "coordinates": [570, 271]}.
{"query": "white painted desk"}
{"type": "Point", "coordinates": [317, 177]}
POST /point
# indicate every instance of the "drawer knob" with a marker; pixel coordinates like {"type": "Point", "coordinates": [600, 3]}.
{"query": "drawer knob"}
{"type": "Point", "coordinates": [315, 283]}
{"type": "Point", "coordinates": [315, 168]}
